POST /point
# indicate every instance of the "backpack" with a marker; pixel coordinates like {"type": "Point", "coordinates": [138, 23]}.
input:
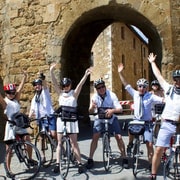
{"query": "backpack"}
{"type": "Point", "coordinates": [21, 120]}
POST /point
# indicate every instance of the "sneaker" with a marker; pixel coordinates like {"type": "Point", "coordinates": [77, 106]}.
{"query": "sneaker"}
{"type": "Point", "coordinates": [129, 147]}
{"type": "Point", "coordinates": [32, 162]}
{"type": "Point", "coordinates": [153, 177]}
{"type": "Point", "coordinates": [10, 175]}
{"type": "Point", "coordinates": [56, 169]}
{"type": "Point", "coordinates": [43, 160]}
{"type": "Point", "coordinates": [90, 164]}
{"type": "Point", "coordinates": [81, 168]}
{"type": "Point", "coordinates": [125, 163]}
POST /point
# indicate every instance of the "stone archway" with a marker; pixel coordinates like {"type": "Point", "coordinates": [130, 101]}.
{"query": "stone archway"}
{"type": "Point", "coordinates": [77, 44]}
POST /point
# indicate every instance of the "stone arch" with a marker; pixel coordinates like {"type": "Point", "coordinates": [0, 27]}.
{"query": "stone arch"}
{"type": "Point", "coordinates": [77, 44]}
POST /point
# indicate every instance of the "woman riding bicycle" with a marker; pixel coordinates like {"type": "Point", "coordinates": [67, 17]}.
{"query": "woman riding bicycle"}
{"type": "Point", "coordinates": [11, 106]}
{"type": "Point", "coordinates": [68, 97]}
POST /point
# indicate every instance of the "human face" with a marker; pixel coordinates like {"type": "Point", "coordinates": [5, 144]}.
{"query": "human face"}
{"type": "Point", "coordinates": [142, 89]}
{"type": "Point", "coordinates": [67, 88]}
{"type": "Point", "coordinates": [10, 94]}
{"type": "Point", "coordinates": [101, 89]}
{"type": "Point", "coordinates": [37, 87]}
{"type": "Point", "coordinates": [177, 82]}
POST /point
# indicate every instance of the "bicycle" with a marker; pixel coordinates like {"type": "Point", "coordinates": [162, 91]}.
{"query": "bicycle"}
{"type": "Point", "coordinates": [44, 141]}
{"type": "Point", "coordinates": [136, 128]}
{"type": "Point", "coordinates": [171, 160]}
{"type": "Point", "coordinates": [18, 164]}
{"type": "Point", "coordinates": [67, 114]}
{"type": "Point", "coordinates": [106, 146]}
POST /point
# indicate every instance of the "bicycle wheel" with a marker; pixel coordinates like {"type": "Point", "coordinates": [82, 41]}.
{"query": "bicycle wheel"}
{"type": "Point", "coordinates": [168, 164]}
{"type": "Point", "coordinates": [135, 152]}
{"type": "Point", "coordinates": [106, 151]}
{"type": "Point", "coordinates": [43, 143]}
{"type": "Point", "coordinates": [177, 164]}
{"type": "Point", "coordinates": [65, 154]}
{"type": "Point", "coordinates": [21, 165]}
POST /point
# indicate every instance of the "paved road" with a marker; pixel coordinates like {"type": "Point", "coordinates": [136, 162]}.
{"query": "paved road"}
{"type": "Point", "coordinates": [97, 173]}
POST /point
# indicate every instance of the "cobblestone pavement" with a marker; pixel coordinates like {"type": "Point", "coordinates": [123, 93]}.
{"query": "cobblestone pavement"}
{"type": "Point", "coordinates": [97, 173]}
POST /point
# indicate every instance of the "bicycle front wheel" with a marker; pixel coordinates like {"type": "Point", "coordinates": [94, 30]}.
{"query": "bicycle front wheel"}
{"type": "Point", "coordinates": [18, 163]}
{"type": "Point", "coordinates": [43, 143]}
{"type": "Point", "coordinates": [177, 164]}
{"type": "Point", "coordinates": [135, 152]}
{"type": "Point", "coordinates": [65, 155]}
{"type": "Point", "coordinates": [106, 151]}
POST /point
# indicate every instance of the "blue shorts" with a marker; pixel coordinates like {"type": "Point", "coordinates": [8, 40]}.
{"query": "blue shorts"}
{"type": "Point", "coordinates": [51, 125]}
{"type": "Point", "coordinates": [114, 128]}
{"type": "Point", "coordinates": [166, 131]}
{"type": "Point", "coordinates": [148, 133]}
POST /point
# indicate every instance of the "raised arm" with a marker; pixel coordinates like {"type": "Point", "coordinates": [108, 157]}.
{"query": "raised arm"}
{"type": "Point", "coordinates": [81, 83]}
{"type": "Point", "coordinates": [20, 87]}
{"type": "Point", "coordinates": [54, 80]}
{"type": "Point", "coordinates": [155, 69]}
{"type": "Point", "coordinates": [122, 78]}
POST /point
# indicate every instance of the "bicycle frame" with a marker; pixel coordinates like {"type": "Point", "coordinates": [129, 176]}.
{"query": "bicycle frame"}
{"type": "Point", "coordinates": [18, 151]}
{"type": "Point", "coordinates": [47, 144]}
{"type": "Point", "coordinates": [171, 164]}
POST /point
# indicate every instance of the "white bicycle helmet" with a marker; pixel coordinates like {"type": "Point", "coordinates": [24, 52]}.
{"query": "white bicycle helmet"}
{"type": "Point", "coordinates": [99, 81]}
{"type": "Point", "coordinates": [142, 82]}
{"type": "Point", "coordinates": [176, 74]}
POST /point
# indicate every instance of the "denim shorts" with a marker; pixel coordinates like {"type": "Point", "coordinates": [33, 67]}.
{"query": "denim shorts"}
{"type": "Point", "coordinates": [114, 128]}
{"type": "Point", "coordinates": [148, 133]}
{"type": "Point", "coordinates": [51, 125]}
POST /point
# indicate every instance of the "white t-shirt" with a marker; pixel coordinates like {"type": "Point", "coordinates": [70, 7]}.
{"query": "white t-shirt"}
{"type": "Point", "coordinates": [172, 108]}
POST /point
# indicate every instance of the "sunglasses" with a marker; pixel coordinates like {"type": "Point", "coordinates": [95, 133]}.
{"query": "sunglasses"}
{"type": "Point", "coordinates": [11, 92]}
{"type": "Point", "coordinates": [141, 86]}
{"type": "Point", "coordinates": [176, 79]}
{"type": "Point", "coordinates": [66, 85]}
{"type": "Point", "coordinates": [100, 87]}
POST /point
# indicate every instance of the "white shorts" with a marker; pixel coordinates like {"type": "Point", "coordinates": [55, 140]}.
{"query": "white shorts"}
{"type": "Point", "coordinates": [166, 131]}
{"type": "Point", "coordinates": [11, 130]}
{"type": "Point", "coordinates": [72, 127]}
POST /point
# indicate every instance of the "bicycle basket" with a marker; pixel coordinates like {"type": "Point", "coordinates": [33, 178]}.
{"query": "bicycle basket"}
{"type": "Point", "coordinates": [21, 120]}
{"type": "Point", "coordinates": [159, 108]}
{"type": "Point", "coordinates": [102, 113]}
{"type": "Point", "coordinates": [69, 112]}
{"type": "Point", "coordinates": [136, 129]}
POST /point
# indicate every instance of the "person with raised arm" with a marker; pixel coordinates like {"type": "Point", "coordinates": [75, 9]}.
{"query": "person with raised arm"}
{"type": "Point", "coordinates": [142, 110]}
{"type": "Point", "coordinates": [11, 106]}
{"type": "Point", "coordinates": [68, 97]}
{"type": "Point", "coordinates": [170, 115]}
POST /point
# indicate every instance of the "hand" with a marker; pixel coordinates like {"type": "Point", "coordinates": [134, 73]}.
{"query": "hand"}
{"type": "Point", "coordinates": [88, 71]}
{"type": "Point", "coordinates": [24, 72]}
{"type": "Point", "coordinates": [52, 66]}
{"type": "Point", "coordinates": [94, 104]}
{"type": "Point", "coordinates": [109, 113]}
{"type": "Point", "coordinates": [120, 67]}
{"type": "Point", "coordinates": [151, 57]}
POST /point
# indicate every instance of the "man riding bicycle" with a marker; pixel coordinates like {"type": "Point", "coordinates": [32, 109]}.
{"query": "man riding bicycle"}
{"type": "Point", "coordinates": [105, 98]}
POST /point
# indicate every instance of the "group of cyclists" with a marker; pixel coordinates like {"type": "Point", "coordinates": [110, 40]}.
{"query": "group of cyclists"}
{"type": "Point", "coordinates": [41, 105]}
